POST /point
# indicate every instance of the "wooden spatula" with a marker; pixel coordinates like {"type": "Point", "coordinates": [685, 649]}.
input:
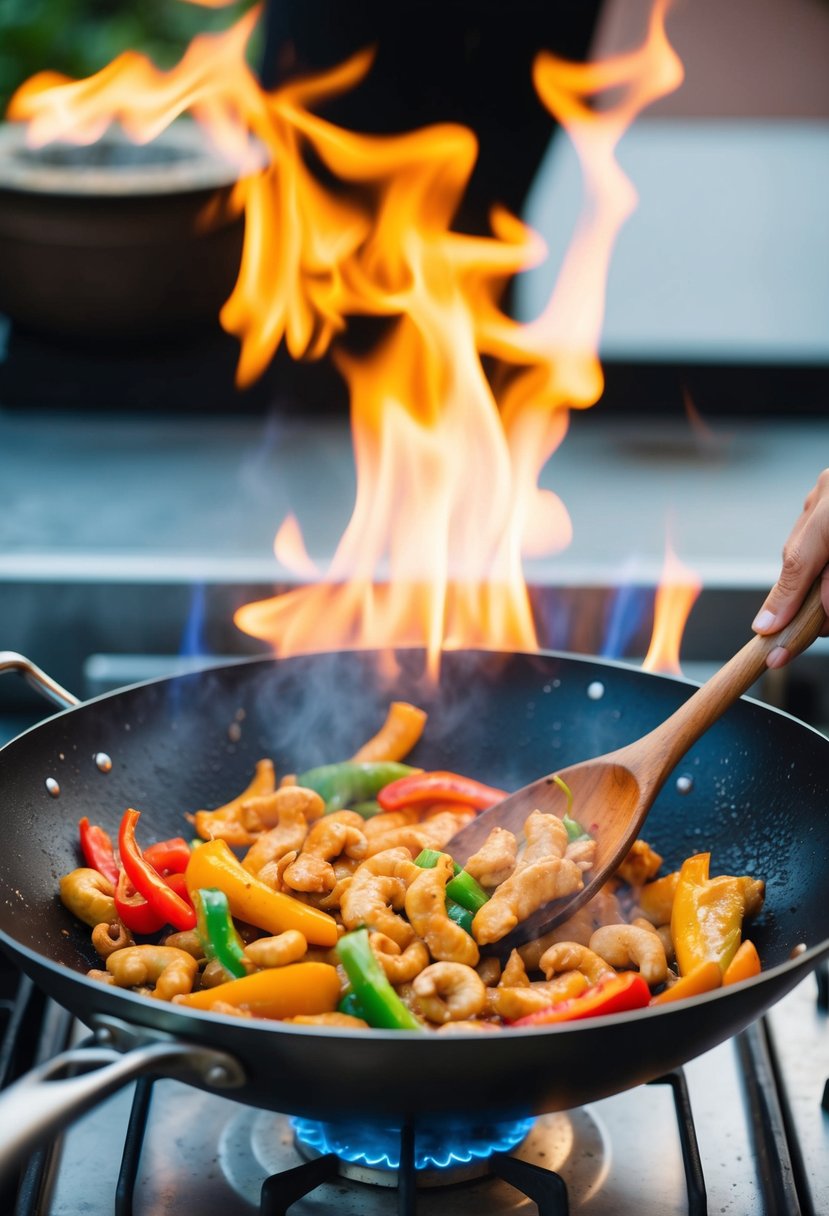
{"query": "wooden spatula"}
{"type": "Point", "coordinates": [612, 794]}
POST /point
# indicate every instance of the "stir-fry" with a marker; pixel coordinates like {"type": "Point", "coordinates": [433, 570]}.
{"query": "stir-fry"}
{"type": "Point", "coordinates": [326, 898]}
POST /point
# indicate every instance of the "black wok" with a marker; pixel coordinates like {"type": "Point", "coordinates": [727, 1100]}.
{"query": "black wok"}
{"type": "Point", "coordinates": [757, 800]}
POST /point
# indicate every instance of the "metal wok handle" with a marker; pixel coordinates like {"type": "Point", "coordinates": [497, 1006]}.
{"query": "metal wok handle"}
{"type": "Point", "coordinates": [46, 1099]}
{"type": "Point", "coordinates": [10, 660]}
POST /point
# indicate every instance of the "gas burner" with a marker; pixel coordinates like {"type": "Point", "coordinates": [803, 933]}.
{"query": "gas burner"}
{"type": "Point", "coordinates": [258, 1148]}
{"type": "Point", "coordinates": [369, 1152]}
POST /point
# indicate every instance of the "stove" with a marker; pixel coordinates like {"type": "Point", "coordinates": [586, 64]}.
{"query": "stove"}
{"type": "Point", "coordinates": [742, 1130]}
{"type": "Point", "coordinates": [145, 584]}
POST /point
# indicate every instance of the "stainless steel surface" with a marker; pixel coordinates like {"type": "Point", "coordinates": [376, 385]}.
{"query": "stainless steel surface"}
{"type": "Point", "coordinates": [161, 500]}
{"type": "Point", "coordinates": [142, 535]}
{"type": "Point", "coordinates": [619, 1157]}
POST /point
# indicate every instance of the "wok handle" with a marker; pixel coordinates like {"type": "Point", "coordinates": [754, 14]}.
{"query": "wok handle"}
{"type": "Point", "coordinates": [10, 660]}
{"type": "Point", "coordinates": [45, 1099]}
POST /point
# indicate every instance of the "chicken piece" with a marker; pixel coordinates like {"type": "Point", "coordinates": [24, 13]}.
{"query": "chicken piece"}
{"type": "Point", "coordinates": [426, 910]}
{"type": "Point", "coordinates": [516, 1001]}
{"type": "Point", "coordinates": [602, 909]}
{"type": "Point", "coordinates": [640, 865]}
{"type": "Point", "coordinates": [237, 821]}
{"type": "Point", "coordinates": [582, 852]}
{"type": "Point", "coordinates": [328, 839]}
{"type": "Point", "coordinates": [377, 891]}
{"type": "Point", "coordinates": [292, 808]}
{"type": "Point", "coordinates": [495, 859]}
{"type": "Point", "coordinates": [542, 874]}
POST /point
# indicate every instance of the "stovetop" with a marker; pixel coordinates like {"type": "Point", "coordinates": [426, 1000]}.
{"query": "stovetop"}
{"type": "Point", "coordinates": [758, 1145]}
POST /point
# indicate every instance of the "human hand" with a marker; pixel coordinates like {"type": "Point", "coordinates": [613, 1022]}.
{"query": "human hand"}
{"type": "Point", "coordinates": [805, 558]}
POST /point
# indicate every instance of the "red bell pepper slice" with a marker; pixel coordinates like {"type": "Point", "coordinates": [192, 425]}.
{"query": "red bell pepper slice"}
{"type": "Point", "coordinates": [170, 855]}
{"type": "Point", "coordinates": [133, 909]}
{"type": "Point", "coordinates": [97, 850]}
{"type": "Point", "coordinates": [178, 883]}
{"type": "Point", "coordinates": [615, 994]}
{"type": "Point", "coordinates": [148, 882]}
{"type": "Point", "coordinates": [438, 787]}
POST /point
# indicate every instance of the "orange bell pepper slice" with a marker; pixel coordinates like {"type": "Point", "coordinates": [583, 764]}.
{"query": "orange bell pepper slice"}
{"type": "Point", "coordinates": [214, 865]}
{"type": "Point", "coordinates": [704, 978]}
{"type": "Point", "coordinates": [277, 992]}
{"type": "Point", "coordinates": [744, 964]}
{"type": "Point", "coordinates": [396, 737]}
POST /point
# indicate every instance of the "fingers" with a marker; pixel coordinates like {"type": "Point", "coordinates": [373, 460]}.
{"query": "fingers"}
{"type": "Point", "coordinates": [805, 557]}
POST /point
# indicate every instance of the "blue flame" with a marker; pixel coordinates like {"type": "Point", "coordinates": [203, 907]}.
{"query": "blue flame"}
{"type": "Point", "coordinates": [435, 1148]}
{"type": "Point", "coordinates": [193, 639]}
{"type": "Point", "coordinates": [629, 608]}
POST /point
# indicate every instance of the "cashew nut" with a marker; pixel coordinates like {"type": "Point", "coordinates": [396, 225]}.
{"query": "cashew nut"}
{"type": "Point", "coordinates": [107, 938]}
{"type": "Point", "coordinates": [171, 971]}
{"type": "Point", "coordinates": [570, 956]}
{"type": "Point", "coordinates": [89, 896]}
{"type": "Point", "coordinates": [278, 951]}
{"type": "Point", "coordinates": [449, 992]}
{"type": "Point", "coordinates": [626, 945]}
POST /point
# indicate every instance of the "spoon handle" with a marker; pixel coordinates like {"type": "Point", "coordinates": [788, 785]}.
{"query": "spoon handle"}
{"type": "Point", "coordinates": [673, 737]}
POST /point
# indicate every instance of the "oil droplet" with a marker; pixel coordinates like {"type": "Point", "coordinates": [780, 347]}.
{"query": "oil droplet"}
{"type": "Point", "coordinates": [103, 762]}
{"type": "Point", "coordinates": [684, 784]}
{"type": "Point", "coordinates": [53, 787]}
{"type": "Point", "coordinates": [595, 691]}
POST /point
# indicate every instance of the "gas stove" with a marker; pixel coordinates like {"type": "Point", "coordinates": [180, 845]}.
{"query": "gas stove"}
{"type": "Point", "coordinates": [742, 1130]}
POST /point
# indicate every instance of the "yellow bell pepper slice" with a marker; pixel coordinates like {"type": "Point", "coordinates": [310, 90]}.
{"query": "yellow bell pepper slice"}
{"type": "Point", "coordinates": [708, 913]}
{"type": "Point", "coordinates": [215, 865]}
{"type": "Point", "coordinates": [278, 992]}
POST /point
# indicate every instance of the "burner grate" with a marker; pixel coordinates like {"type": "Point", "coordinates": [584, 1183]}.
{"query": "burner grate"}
{"type": "Point", "coordinates": [567, 1163]}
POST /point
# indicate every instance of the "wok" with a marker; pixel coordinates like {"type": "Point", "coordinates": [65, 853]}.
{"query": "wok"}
{"type": "Point", "coordinates": [756, 798]}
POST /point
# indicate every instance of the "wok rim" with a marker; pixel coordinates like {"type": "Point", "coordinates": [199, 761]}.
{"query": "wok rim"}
{"type": "Point", "coordinates": [801, 965]}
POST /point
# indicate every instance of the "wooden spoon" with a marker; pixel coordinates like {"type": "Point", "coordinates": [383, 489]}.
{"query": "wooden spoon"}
{"type": "Point", "coordinates": [612, 794]}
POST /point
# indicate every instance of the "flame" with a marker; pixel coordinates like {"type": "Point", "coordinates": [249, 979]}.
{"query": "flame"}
{"type": "Point", "coordinates": [458, 408]}
{"type": "Point", "coordinates": [289, 549]}
{"type": "Point", "coordinates": [676, 595]}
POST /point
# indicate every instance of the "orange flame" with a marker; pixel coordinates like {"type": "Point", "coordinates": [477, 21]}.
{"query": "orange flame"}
{"type": "Point", "coordinates": [448, 454]}
{"type": "Point", "coordinates": [675, 597]}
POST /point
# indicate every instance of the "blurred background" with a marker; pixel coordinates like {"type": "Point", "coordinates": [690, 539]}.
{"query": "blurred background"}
{"type": "Point", "coordinates": [715, 344]}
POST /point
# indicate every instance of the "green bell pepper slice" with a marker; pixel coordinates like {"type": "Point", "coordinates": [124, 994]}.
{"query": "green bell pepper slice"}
{"type": "Point", "coordinates": [217, 932]}
{"type": "Point", "coordinates": [349, 782]}
{"type": "Point", "coordinates": [372, 993]}
{"type": "Point", "coordinates": [463, 888]}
